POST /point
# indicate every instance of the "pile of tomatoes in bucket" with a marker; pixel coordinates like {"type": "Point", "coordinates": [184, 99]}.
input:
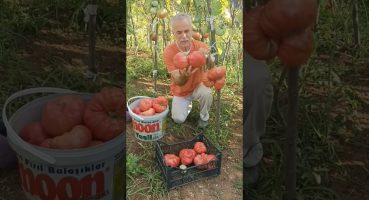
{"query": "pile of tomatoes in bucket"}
{"type": "Point", "coordinates": [150, 107]}
{"type": "Point", "coordinates": [196, 156]}
{"type": "Point", "coordinates": [69, 122]}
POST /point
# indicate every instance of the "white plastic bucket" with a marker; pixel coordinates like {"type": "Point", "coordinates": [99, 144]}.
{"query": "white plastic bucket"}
{"type": "Point", "coordinates": [50, 174]}
{"type": "Point", "coordinates": [147, 128]}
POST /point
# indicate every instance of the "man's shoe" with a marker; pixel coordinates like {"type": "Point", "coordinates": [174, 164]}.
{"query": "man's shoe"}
{"type": "Point", "coordinates": [251, 175]}
{"type": "Point", "coordinates": [202, 124]}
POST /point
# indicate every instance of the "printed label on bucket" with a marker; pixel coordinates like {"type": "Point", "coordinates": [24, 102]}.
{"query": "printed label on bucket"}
{"type": "Point", "coordinates": [149, 130]}
{"type": "Point", "coordinates": [101, 180]}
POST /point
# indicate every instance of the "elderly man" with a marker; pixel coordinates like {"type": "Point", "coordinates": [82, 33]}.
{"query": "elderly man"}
{"type": "Point", "coordinates": [186, 84]}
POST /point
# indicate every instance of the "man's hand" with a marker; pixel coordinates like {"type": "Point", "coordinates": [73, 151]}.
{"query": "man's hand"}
{"type": "Point", "coordinates": [180, 77]}
{"type": "Point", "coordinates": [209, 61]}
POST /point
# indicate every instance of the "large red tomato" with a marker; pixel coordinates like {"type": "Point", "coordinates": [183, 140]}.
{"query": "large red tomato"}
{"type": "Point", "coordinates": [200, 159]}
{"type": "Point", "coordinates": [206, 81]}
{"type": "Point", "coordinates": [62, 114]}
{"type": "Point", "coordinates": [196, 59]}
{"type": "Point", "coordinates": [149, 112]}
{"type": "Point", "coordinates": [296, 49]}
{"type": "Point", "coordinates": [145, 104]}
{"type": "Point", "coordinates": [137, 110]}
{"type": "Point", "coordinates": [187, 156]}
{"type": "Point", "coordinates": [105, 114]}
{"type": "Point", "coordinates": [196, 35]}
{"type": "Point", "coordinates": [180, 60]}
{"type": "Point", "coordinates": [211, 157]}
{"type": "Point", "coordinates": [33, 133]}
{"type": "Point", "coordinates": [158, 108]}
{"type": "Point", "coordinates": [160, 103]}
{"type": "Point", "coordinates": [219, 84]}
{"type": "Point", "coordinates": [171, 160]}
{"type": "Point", "coordinates": [216, 73]}
{"type": "Point", "coordinates": [78, 137]}
{"type": "Point", "coordinates": [161, 100]}
{"type": "Point", "coordinates": [200, 147]}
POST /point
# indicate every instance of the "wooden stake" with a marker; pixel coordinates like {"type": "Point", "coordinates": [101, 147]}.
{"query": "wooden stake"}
{"type": "Point", "coordinates": [291, 134]}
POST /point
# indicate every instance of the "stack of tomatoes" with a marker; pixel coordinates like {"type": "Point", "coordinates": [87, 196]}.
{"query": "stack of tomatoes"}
{"type": "Point", "coordinates": [215, 77]}
{"type": "Point", "coordinates": [195, 59]}
{"type": "Point", "coordinates": [149, 107]}
{"type": "Point", "coordinates": [196, 156]}
{"type": "Point", "coordinates": [68, 122]}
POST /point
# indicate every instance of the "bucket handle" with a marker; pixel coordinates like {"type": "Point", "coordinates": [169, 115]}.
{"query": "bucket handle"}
{"type": "Point", "coordinates": [16, 137]}
{"type": "Point", "coordinates": [130, 110]}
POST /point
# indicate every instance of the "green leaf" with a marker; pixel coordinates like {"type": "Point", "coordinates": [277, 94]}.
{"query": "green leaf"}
{"type": "Point", "coordinates": [216, 8]}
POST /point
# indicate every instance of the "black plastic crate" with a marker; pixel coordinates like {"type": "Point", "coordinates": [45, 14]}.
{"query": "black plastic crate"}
{"type": "Point", "coordinates": [174, 176]}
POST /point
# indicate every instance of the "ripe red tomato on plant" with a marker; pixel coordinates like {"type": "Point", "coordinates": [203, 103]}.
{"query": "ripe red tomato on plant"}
{"type": "Point", "coordinates": [171, 160]}
{"type": "Point", "coordinates": [219, 84]}
{"type": "Point", "coordinates": [105, 113]}
{"type": "Point", "coordinates": [196, 59]}
{"type": "Point", "coordinates": [153, 37]}
{"type": "Point", "coordinates": [79, 137]}
{"type": "Point", "coordinates": [62, 113]}
{"type": "Point", "coordinates": [33, 133]}
{"type": "Point", "coordinates": [216, 73]}
{"type": "Point", "coordinates": [162, 13]}
{"type": "Point", "coordinates": [196, 36]}
{"type": "Point", "coordinates": [187, 156]}
{"type": "Point", "coordinates": [206, 81]}
{"type": "Point", "coordinates": [200, 147]}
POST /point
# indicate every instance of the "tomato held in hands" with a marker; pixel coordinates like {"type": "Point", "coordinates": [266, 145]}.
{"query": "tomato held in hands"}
{"type": "Point", "coordinates": [196, 59]}
{"type": "Point", "coordinates": [171, 160]}
{"type": "Point", "coordinates": [180, 60]}
{"type": "Point", "coordinates": [62, 114]}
